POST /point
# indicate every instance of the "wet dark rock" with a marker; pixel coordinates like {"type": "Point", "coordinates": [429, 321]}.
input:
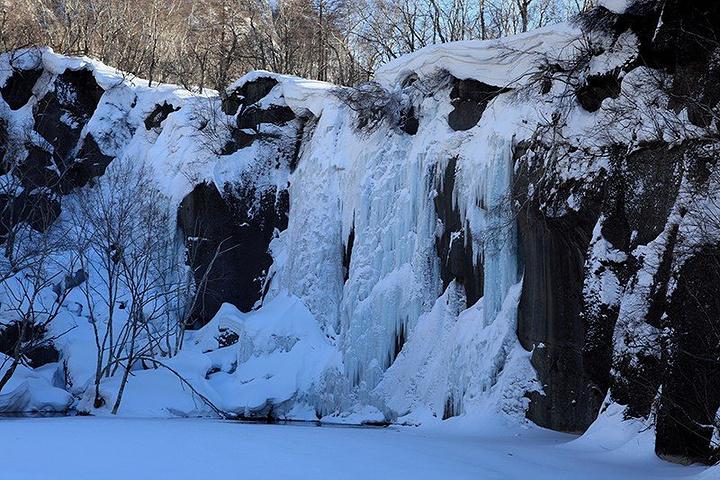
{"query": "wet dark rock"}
{"type": "Point", "coordinates": [238, 139]}
{"type": "Point", "coordinates": [37, 170]}
{"type": "Point", "coordinates": [686, 32]}
{"type": "Point", "coordinates": [59, 118]}
{"type": "Point", "coordinates": [209, 228]}
{"type": "Point", "coordinates": [690, 395]}
{"type": "Point", "coordinates": [454, 245]}
{"type": "Point", "coordinates": [42, 355]}
{"type": "Point", "coordinates": [40, 209]}
{"type": "Point", "coordinates": [696, 88]}
{"type": "Point", "coordinates": [552, 251]}
{"type": "Point", "coordinates": [635, 213]}
{"type": "Point", "coordinates": [257, 89]}
{"type": "Point", "coordinates": [648, 172]}
{"type": "Point", "coordinates": [702, 162]}
{"type": "Point", "coordinates": [231, 102]}
{"type": "Point", "coordinates": [347, 253]}
{"type": "Point", "coordinates": [226, 337]}
{"type": "Point", "coordinates": [398, 342]}
{"type": "Point", "coordinates": [61, 113]}
{"type": "Point", "coordinates": [58, 125]}
{"type": "Point", "coordinates": [469, 99]}
{"type": "Point", "coordinates": [549, 320]}
{"type": "Point", "coordinates": [18, 89]}
{"type": "Point", "coordinates": [238, 225]}
{"type": "Point", "coordinates": [158, 115]}
{"type": "Point", "coordinates": [303, 124]}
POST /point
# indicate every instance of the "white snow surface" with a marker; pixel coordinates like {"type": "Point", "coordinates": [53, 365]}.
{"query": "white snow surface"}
{"type": "Point", "coordinates": [32, 390]}
{"type": "Point", "coordinates": [616, 6]}
{"type": "Point", "coordinates": [190, 449]}
{"type": "Point", "coordinates": [300, 94]}
{"type": "Point", "coordinates": [505, 62]}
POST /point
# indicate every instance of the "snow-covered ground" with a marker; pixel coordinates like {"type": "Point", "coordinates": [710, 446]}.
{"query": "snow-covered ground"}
{"type": "Point", "coordinates": [114, 448]}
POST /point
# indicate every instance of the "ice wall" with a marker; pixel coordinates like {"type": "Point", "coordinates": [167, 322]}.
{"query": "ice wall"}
{"type": "Point", "coordinates": [368, 194]}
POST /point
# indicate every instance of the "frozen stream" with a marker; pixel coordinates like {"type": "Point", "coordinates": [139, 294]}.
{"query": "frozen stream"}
{"type": "Point", "coordinates": [81, 448]}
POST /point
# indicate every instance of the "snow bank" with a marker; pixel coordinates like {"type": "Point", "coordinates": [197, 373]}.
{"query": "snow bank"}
{"type": "Point", "coordinates": [280, 353]}
{"type": "Point", "coordinates": [506, 62]}
{"type": "Point", "coordinates": [616, 6]}
{"type": "Point", "coordinates": [246, 364]}
{"type": "Point", "coordinates": [33, 391]}
{"type": "Point", "coordinates": [300, 94]}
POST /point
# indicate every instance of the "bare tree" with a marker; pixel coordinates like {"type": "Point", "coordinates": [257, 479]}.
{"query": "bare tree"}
{"type": "Point", "coordinates": [35, 276]}
{"type": "Point", "coordinates": [122, 237]}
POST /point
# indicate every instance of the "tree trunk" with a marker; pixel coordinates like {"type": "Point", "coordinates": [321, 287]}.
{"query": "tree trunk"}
{"type": "Point", "coordinates": [8, 374]}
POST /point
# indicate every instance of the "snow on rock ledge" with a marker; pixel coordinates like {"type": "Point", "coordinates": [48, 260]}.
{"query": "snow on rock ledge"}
{"type": "Point", "coordinates": [506, 62]}
{"type": "Point", "coordinates": [616, 6]}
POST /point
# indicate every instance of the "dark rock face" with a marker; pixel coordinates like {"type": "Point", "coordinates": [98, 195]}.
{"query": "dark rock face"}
{"type": "Point", "coordinates": [686, 33]}
{"type": "Point", "coordinates": [61, 113]}
{"type": "Point", "coordinates": [347, 253]}
{"type": "Point", "coordinates": [67, 161]}
{"type": "Point", "coordinates": [561, 317]}
{"type": "Point", "coordinates": [656, 168]}
{"type": "Point", "coordinates": [549, 321]}
{"type": "Point", "coordinates": [208, 224]}
{"type": "Point", "coordinates": [36, 170]}
{"type": "Point", "coordinates": [59, 118]}
{"type": "Point", "coordinates": [158, 115]}
{"type": "Point", "coordinates": [253, 116]}
{"type": "Point", "coordinates": [409, 123]}
{"type": "Point", "coordinates": [89, 163]}
{"type": "Point", "coordinates": [18, 88]}
{"type": "Point", "coordinates": [227, 247]}
{"type": "Point", "coordinates": [553, 247]}
{"type": "Point", "coordinates": [242, 102]}
{"type": "Point", "coordinates": [241, 219]}
{"type": "Point", "coordinates": [564, 317]}
{"type": "Point", "coordinates": [238, 140]}
{"type": "Point", "coordinates": [691, 394]}
{"type": "Point", "coordinates": [39, 209]}
{"type": "Point", "coordinates": [470, 98]}
{"type": "Point", "coordinates": [248, 94]}
{"type": "Point", "coordinates": [226, 337]}
{"type": "Point", "coordinates": [596, 89]}
{"type": "Point", "coordinates": [454, 245]}
{"type": "Point", "coordinates": [41, 354]}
